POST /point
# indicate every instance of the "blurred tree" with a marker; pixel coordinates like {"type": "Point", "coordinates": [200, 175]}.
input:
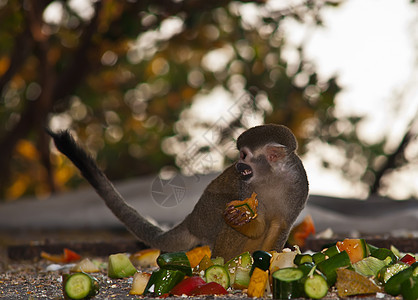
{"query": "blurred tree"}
{"type": "Point", "coordinates": [388, 165]}
{"type": "Point", "coordinates": [128, 76]}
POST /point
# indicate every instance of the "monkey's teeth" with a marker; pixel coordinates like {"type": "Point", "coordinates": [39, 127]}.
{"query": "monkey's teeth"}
{"type": "Point", "coordinates": [246, 172]}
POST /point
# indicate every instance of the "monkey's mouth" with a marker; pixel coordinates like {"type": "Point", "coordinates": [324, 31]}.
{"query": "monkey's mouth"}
{"type": "Point", "coordinates": [245, 171]}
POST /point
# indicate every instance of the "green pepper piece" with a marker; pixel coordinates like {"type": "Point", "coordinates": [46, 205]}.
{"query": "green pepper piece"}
{"type": "Point", "coordinates": [175, 261]}
{"type": "Point", "coordinates": [162, 281]}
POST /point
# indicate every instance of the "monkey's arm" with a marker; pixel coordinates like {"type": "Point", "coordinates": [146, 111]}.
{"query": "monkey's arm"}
{"type": "Point", "coordinates": [276, 235]}
{"type": "Point", "coordinates": [254, 229]}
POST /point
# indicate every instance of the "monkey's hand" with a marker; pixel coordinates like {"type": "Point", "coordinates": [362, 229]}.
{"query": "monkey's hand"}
{"type": "Point", "coordinates": [241, 212]}
{"type": "Point", "coordinates": [252, 226]}
{"type": "Point", "coordinates": [234, 216]}
{"type": "Point", "coordinates": [243, 217]}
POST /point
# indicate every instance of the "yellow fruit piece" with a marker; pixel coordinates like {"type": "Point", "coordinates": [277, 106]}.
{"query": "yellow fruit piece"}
{"type": "Point", "coordinates": [86, 266]}
{"type": "Point", "coordinates": [281, 260]}
{"type": "Point", "coordinates": [145, 258]}
{"type": "Point", "coordinates": [258, 283]}
{"type": "Point", "coordinates": [196, 255]}
{"type": "Point", "coordinates": [205, 263]}
{"type": "Point", "coordinates": [139, 283]}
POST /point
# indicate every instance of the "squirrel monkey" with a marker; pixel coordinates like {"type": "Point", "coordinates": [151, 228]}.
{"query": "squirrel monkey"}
{"type": "Point", "coordinates": [268, 166]}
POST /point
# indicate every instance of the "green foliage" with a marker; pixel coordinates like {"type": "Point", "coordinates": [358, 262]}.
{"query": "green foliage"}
{"type": "Point", "coordinates": [127, 76]}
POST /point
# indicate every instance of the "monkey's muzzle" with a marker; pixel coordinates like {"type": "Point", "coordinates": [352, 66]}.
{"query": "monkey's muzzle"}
{"type": "Point", "coordinates": [245, 171]}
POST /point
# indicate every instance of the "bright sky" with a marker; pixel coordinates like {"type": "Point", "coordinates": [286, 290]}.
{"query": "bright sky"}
{"type": "Point", "coordinates": [369, 45]}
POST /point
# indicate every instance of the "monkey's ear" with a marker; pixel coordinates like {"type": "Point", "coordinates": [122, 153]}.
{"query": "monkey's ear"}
{"type": "Point", "coordinates": [275, 152]}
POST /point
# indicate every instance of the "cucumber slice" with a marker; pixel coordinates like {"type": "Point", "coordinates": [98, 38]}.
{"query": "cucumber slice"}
{"type": "Point", "coordinates": [287, 283]}
{"type": "Point", "coordinates": [382, 254]}
{"type": "Point", "coordinates": [80, 286]}
{"type": "Point", "coordinates": [328, 267]}
{"type": "Point", "coordinates": [306, 268]}
{"type": "Point", "coordinates": [318, 257]}
{"type": "Point", "coordinates": [315, 286]}
{"type": "Point", "coordinates": [331, 251]}
{"type": "Point", "coordinates": [242, 278]}
{"type": "Point", "coordinates": [175, 261]}
{"type": "Point", "coordinates": [302, 259]}
{"type": "Point", "coordinates": [282, 260]}
{"type": "Point", "coordinates": [217, 274]}
{"type": "Point", "coordinates": [409, 289]}
{"type": "Point", "coordinates": [218, 261]}
{"type": "Point", "coordinates": [395, 251]}
{"type": "Point", "coordinates": [393, 285]}
{"type": "Point", "coordinates": [387, 272]}
{"type": "Point", "coordinates": [243, 260]}
{"type": "Point", "coordinates": [162, 281]}
{"type": "Point", "coordinates": [120, 266]}
{"type": "Point", "coordinates": [372, 248]}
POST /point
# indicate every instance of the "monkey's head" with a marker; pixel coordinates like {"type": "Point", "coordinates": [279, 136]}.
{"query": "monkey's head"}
{"type": "Point", "coordinates": [264, 149]}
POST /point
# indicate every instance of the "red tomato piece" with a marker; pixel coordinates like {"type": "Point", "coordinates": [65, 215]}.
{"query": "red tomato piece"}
{"type": "Point", "coordinates": [70, 256]}
{"type": "Point", "coordinates": [187, 285]}
{"type": "Point", "coordinates": [66, 257]}
{"type": "Point", "coordinates": [408, 259]}
{"type": "Point", "coordinates": [211, 288]}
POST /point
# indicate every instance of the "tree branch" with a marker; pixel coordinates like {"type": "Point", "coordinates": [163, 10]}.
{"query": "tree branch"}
{"type": "Point", "coordinates": [79, 67]}
{"type": "Point", "coordinates": [35, 111]}
{"type": "Point", "coordinates": [21, 50]}
{"type": "Point", "coordinates": [391, 162]}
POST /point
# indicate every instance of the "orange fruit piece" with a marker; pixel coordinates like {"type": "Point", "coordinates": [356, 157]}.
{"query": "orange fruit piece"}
{"type": "Point", "coordinates": [248, 205]}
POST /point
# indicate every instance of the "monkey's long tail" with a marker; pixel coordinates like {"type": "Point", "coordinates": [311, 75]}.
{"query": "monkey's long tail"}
{"type": "Point", "coordinates": [146, 232]}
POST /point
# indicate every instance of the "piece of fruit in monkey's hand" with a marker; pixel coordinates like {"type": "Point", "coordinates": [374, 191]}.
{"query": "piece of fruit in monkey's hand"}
{"type": "Point", "coordinates": [240, 212]}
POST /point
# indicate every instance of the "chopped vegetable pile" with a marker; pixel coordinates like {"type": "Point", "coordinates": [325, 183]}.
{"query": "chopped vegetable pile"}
{"type": "Point", "coordinates": [350, 267]}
